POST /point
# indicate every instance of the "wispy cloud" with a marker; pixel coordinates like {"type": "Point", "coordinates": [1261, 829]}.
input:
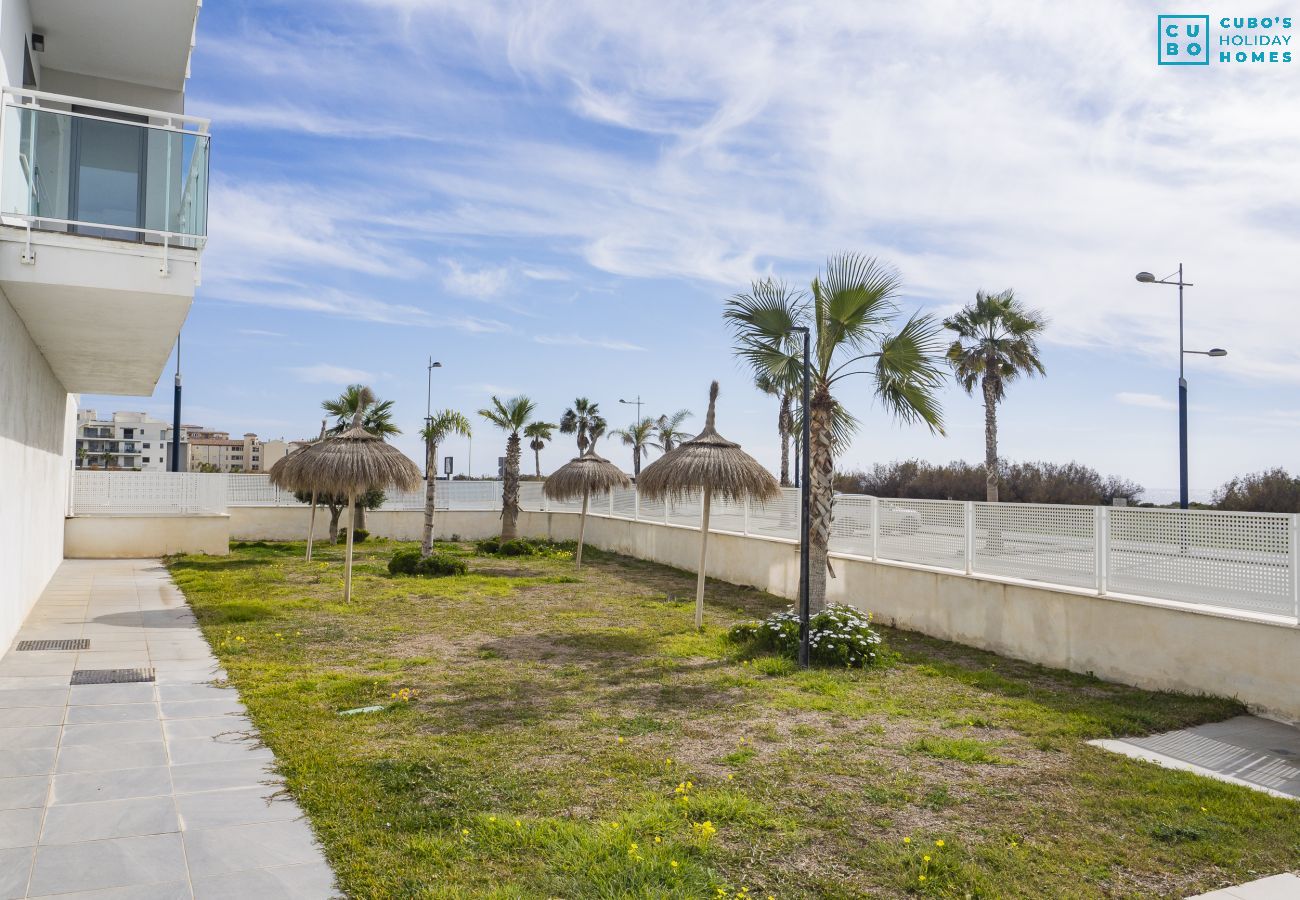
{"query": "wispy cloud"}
{"type": "Point", "coordinates": [576, 340]}
{"type": "Point", "coordinates": [483, 283]}
{"type": "Point", "coordinates": [326, 373]}
{"type": "Point", "coordinates": [1147, 401]}
{"type": "Point", "coordinates": [257, 332]}
{"type": "Point", "coordinates": [342, 304]}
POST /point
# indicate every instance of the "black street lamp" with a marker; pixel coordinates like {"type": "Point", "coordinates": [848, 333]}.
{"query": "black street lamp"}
{"type": "Point", "coordinates": [637, 404]}
{"type": "Point", "coordinates": [428, 421]}
{"type": "Point", "coordinates": [1148, 278]}
{"type": "Point", "coordinates": [804, 523]}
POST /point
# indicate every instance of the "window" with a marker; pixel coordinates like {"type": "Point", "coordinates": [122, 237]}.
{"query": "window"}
{"type": "Point", "coordinates": [146, 459]}
{"type": "Point", "coordinates": [146, 446]}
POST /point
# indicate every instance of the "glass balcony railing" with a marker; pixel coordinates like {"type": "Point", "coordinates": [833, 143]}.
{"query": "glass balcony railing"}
{"type": "Point", "coordinates": [103, 170]}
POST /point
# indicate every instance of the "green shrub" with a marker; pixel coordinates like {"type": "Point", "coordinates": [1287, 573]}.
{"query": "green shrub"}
{"type": "Point", "coordinates": [837, 636]}
{"type": "Point", "coordinates": [409, 562]}
{"type": "Point", "coordinates": [488, 546]}
{"type": "Point", "coordinates": [526, 547]}
{"type": "Point", "coordinates": [517, 547]}
{"type": "Point", "coordinates": [359, 535]}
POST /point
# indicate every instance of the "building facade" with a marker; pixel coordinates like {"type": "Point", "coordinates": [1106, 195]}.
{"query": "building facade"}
{"type": "Point", "coordinates": [126, 440]}
{"type": "Point", "coordinates": [103, 218]}
{"type": "Point", "coordinates": [216, 451]}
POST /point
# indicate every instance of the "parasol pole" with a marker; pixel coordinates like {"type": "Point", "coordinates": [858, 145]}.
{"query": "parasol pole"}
{"type": "Point", "coordinates": [582, 524]}
{"type": "Point", "coordinates": [347, 577]}
{"type": "Point", "coordinates": [311, 528]}
{"type": "Point", "coordinates": [704, 554]}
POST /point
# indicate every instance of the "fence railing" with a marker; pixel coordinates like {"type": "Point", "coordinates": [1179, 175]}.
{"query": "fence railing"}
{"type": "Point", "coordinates": [1238, 561]}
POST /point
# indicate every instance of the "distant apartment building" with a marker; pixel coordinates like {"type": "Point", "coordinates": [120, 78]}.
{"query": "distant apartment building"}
{"type": "Point", "coordinates": [103, 219]}
{"type": "Point", "coordinates": [216, 451]}
{"type": "Point", "coordinates": [274, 451]}
{"type": "Point", "coordinates": [125, 440]}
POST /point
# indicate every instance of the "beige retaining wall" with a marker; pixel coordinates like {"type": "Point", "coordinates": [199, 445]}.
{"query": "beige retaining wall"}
{"type": "Point", "coordinates": [1148, 643]}
{"type": "Point", "coordinates": [143, 537]}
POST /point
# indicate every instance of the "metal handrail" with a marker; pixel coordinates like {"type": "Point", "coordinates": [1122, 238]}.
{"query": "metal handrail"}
{"type": "Point", "coordinates": [201, 124]}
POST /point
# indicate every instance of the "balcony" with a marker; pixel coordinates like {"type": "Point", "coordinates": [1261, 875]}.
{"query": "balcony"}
{"type": "Point", "coordinates": [103, 217]}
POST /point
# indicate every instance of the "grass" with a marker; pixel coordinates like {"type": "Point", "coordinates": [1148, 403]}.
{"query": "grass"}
{"type": "Point", "coordinates": [546, 733]}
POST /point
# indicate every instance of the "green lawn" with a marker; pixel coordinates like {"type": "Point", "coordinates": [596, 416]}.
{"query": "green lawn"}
{"type": "Point", "coordinates": [546, 733]}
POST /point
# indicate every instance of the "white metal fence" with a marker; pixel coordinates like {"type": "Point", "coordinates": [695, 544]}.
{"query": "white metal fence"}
{"type": "Point", "coordinates": [1241, 561]}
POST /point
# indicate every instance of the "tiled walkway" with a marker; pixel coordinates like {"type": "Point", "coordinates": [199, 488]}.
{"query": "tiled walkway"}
{"type": "Point", "coordinates": [143, 790]}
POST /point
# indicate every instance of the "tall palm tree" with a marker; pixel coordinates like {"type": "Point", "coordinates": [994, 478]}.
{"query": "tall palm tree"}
{"type": "Point", "coordinates": [638, 436]}
{"type": "Point", "coordinates": [668, 433]}
{"type": "Point", "coordinates": [540, 432]}
{"type": "Point", "coordinates": [580, 419]}
{"type": "Point", "coordinates": [997, 342]}
{"type": "Point", "coordinates": [512, 416]}
{"type": "Point", "coordinates": [376, 418]}
{"type": "Point", "coordinates": [852, 313]}
{"type": "Point", "coordinates": [784, 421]}
{"type": "Point", "coordinates": [376, 414]}
{"type": "Point", "coordinates": [440, 426]}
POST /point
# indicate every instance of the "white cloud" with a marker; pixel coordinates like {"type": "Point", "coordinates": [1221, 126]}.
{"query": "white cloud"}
{"type": "Point", "coordinates": [333, 302]}
{"type": "Point", "coordinates": [481, 283]}
{"type": "Point", "coordinates": [325, 373]}
{"type": "Point", "coordinates": [258, 332]}
{"type": "Point", "coordinates": [1148, 401]}
{"type": "Point", "coordinates": [575, 340]}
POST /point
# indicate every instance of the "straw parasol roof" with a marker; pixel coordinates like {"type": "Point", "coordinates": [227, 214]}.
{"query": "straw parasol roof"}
{"type": "Point", "coordinates": [588, 473]}
{"type": "Point", "coordinates": [707, 460]}
{"type": "Point", "coordinates": [353, 462]}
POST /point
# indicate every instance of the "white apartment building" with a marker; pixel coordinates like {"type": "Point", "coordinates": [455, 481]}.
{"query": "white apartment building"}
{"type": "Point", "coordinates": [103, 217]}
{"type": "Point", "coordinates": [126, 440]}
{"type": "Point", "coordinates": [216, 451]}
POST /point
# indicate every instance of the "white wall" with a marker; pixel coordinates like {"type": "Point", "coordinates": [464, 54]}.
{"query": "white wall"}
{"type": "Point", "coordinates": [15, 25]}
{"type": "Point", "coordinates": [37, 422]}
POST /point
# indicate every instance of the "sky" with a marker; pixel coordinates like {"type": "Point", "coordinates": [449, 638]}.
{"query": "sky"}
{"type": "Point", "coordinates": [555, 199]}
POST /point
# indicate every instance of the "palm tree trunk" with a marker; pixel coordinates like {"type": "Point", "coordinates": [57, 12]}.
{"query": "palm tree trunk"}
{"type": "Point", "coordinates": [430, 496]}
{"type": "Point", "coordinates": [359, 517]}
{"type": "Point", "coordinates": [991, 439]}
{"type": "Point", "coordinates": [510, 491]}
{"type": "Point", "coordinates": [537, 460]}
{"type": "Point", "coordinates": [582, 527]}
{"type": "Point", "coordinates": [820, 497]}
{"type": "Point", "coordinates": [347, 572]}
{"type": "Point", "coordinates": [783, 429]}
{"type": "Point", "coordinates": [704, 559]}
{"type": "Point", "coordinates": [335, 512]}
{"type": "Point", "coordinates": [636, 461]}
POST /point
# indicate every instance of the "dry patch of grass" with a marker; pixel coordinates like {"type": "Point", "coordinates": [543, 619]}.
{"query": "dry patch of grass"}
{"type": "Point", "coordinates": [567, 734]}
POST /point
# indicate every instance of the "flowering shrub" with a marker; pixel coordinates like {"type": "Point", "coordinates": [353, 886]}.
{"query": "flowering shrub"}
{"type": "Point", "coordinates": [837, 636]}
{"type": "Point", "coordinates": [526, 547]}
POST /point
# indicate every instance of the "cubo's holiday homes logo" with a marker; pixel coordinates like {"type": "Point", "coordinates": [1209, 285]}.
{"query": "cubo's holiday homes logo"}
{"type": "Point", "coordinates": [1187, 41]}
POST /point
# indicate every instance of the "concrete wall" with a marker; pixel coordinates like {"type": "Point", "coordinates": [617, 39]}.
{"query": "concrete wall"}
{"type": "Point", "coordinates": [143, 537]}
{"type": "Point", "coordinates": [289, 523]}
{"type": "Point", "coordinates": [34, 434]}
{"type": "Point", "coordinates": [1151, 644]}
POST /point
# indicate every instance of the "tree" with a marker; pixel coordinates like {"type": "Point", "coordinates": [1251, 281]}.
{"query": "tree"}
{"type": "Point", "coordinates": [997, 342]}
{"type": "Point", "coordinates": [784, 395]}
{"type": "Point", "coordinates": [1272, 491]}
{"type": "Point", "coordinates": [437, 429]}
{"type": "Point", "coordinates": [372, 499]}
{"type": "Point", "coordinates": [376, 418]}
{"type": "Point", "coordinates": [540, 433]}
{"type": "Point", "coordinates": [852, 312]}
{"type": "Point", "coordinates": [668, 433]}
{"type": "Point", "coordinates": [638, 436]}
{"type": "Point", "coordinates": [512, 416]}
{"type": "Point", "coordinates": [581, 419]}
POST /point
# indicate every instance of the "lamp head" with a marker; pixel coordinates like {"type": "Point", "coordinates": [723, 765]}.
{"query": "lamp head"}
{"type": "Point", "coordinates": [435, 365]}
{"type": "Point", "coordinates": [1145, 277]}
{"type": "Point", "coordinates": [1218, 351]}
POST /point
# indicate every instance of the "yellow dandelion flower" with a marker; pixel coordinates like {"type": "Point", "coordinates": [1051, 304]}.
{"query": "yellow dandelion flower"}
{"type": "Point", "coordinates": [938, 843]}
{"type": "Point", "coordinates": [907, 840]}
{"type": "Point", "coordinates": [492, 818]}
{"type": "Point", "coordinates": [673, 864]}
{"type": "Point", "coordinates": [925, 858]}
{"type": "Point", "coordinates": [518, 824]}
{"type": "Point", "coordinates": [464, 831]}
{"type": "Point", "coordinates": [659, 840]}
{"type": "Point", "coordinates": [923, 878]}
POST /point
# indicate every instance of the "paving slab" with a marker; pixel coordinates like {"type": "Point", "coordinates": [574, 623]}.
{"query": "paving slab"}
{"type": "Point", "coordinates": [152, 790]}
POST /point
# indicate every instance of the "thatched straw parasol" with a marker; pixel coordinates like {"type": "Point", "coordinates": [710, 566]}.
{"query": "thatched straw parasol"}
{"type": "Point", "coordinates": [277, 473]}
{"type": "Point", "coordinates": [588, 474]}
{"type": "Point", "coordinates": [347, 464]}
{"type": "Point", "coordinates": [712, 464]}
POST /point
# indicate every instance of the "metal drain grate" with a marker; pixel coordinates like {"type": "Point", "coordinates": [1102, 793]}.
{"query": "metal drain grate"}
{"type": "Point", "coordinates": [111, 676]}
{"type": "Point", "coordinates": [70, 644]}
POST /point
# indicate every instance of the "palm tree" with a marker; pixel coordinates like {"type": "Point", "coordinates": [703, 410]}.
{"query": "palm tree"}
{"type": "Point", "coordinates": [376, 418]}
{"type": "Point", "coordinates": [852, 313]}
{"type": "Point", "coordinates": [580, 419]}
{"type": "Point", "coordinates": [540, 432]}
{"type": "Point", "coordinates": [784, 421]}
{"type": "Point", "coordinates": [997, 342]}
{"type": "Point", "coordinates": [437, 428]}
{"type": "Point", "coordinates": [638, 437]}
{"type": "Point", "coordinates": [376, 414]}
{"type": "Point", "coordinates": [511, 416]}
{"type": "Point", "coordinates": [668, 433]}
